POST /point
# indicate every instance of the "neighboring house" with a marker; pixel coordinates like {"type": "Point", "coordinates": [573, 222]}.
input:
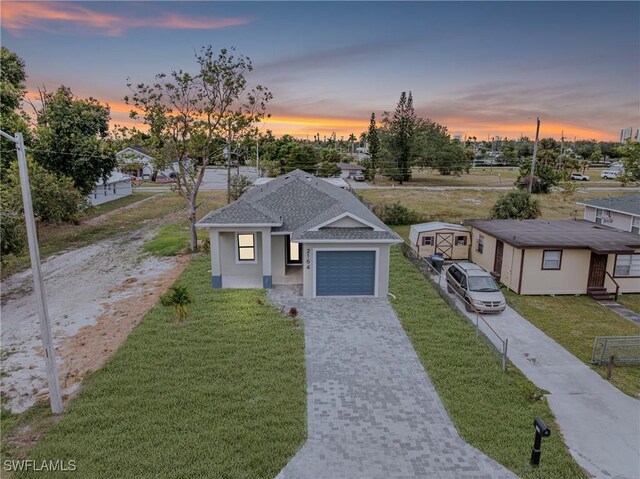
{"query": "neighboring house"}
{"type": "Point", "coordinates": [118, 185]}
{"type": "Point", "coordinates": [621, 212]}
{"type": "Point", "coordinates": [348, 170]}
{"type": "Point", "coordinates": [450, 240]}
{"type": "Point", "coordinates": [339, 182]}
{"type": "Point", "coordinates": [298, 229]}
{"type": "Point", "coordinates": [138, 156]}
{"type": "Point", "coordinates": [557, 256]}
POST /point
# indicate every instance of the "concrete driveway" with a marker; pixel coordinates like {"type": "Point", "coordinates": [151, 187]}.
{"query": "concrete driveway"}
{"type": "Point", "coordinates": [372, 411]}
{"type": "Point", "coordinates": [600, 424]}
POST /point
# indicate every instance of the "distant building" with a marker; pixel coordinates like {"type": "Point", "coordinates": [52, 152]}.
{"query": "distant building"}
{"type": "Point", "coordinates": [637, 135]}
{"type": "Point", "coordinates": [118, 185]}
{"type": "Point", "coordinates": [458, 137]}
{"type": "Point", "coordinates": [625, 134]}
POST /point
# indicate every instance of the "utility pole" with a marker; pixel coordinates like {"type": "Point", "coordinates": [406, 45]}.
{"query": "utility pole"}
{"type": "Point", "coordinates": [535, 152]}
{"type": "Point", "coordinates": [258, 156]}
{"type": "Point", "coordinates": [38, 284]}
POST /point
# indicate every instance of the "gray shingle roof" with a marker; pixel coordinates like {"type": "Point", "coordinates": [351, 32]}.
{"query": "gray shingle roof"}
{"type": "Point", "coordinates": [629, 204]}
{"type": "Point", "coordinates": [296, 202]}
{"type": "Point", "coordinates": [566, 234]}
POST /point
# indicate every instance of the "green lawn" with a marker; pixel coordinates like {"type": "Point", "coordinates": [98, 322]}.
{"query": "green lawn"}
{"type": "Point", "coordinates": [574, 322]}
{"type": "Point", "coordinates": [115, 204]}
{"type": "Point", "coordinates": [221, 395]}
{"type": "Point", "coordinates": [631, 301]}
{"type": "Point", "coordinates": [492, 410]}
{"type": "Point", "coordinates": [169, 240]}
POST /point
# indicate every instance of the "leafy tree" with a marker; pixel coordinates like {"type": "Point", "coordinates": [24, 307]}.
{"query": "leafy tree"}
{"type": "Point", "coordinates": [12, 234]}
{"type": "Point", "coordinates": [196, 118]}
{"type": "Point", "coordinates": [239, 186]}
{"type": "Point", "coordinates": [374, 148]}
{"type": "Point", "coordinates": [303, 157]}
{"type": "Point", "coordinates": [54, 197]}
{"type": "Point", "coordinates": [545, 177]}
{"type": "Point", "coordinates": [71, 138]}
{"type": "Point", "coordinates": [631, 161]}
{"type": "Point", "coordinates": [328, 169]}
{"type": "Point", "coordinates": [401, 139]}
{"type": "Point", "coordinates": [517, 205]}
{"type": "Point", "coordinates": [12, 91]}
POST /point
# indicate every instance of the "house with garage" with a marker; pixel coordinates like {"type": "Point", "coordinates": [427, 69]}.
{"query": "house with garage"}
{"type": "Point", "coordinates": [298, 229]}
{"type": "Point", "coordinates": [620, 212]}
{"type": "Point", "coordinates": [557, 256]}
{"type": "Point", "coordinates": [349, 170]}
{"type": "Point", "coordinates": [118, 185]}
{"type": "Point", "coordinates": [447, 239]}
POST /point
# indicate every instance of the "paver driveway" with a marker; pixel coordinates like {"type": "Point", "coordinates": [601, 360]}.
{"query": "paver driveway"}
{"type": "Point", "coordinates": [372, 411]}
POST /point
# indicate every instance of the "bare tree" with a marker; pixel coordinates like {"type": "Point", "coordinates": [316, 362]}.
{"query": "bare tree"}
{"type": "Point", "coordinates": [195, 119]}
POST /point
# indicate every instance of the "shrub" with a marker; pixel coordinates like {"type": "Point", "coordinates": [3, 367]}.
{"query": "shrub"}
{"type": "Point", "coordinates": [239, 185]}
{"type": "Point", "coordinates": [178, 297]}
{"type": "Point", "coordinates": [519, 205]}
{"type": "Point", "coordinates": [396, 214]}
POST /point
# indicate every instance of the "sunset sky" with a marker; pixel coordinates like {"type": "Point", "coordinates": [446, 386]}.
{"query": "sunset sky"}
{"type": "Point", "coordinates": [480, 68]}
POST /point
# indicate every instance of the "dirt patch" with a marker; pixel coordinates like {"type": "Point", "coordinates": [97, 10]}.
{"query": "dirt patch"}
{"type": "Point", "coordinates": [96, 295]}
{"type": "Point", "coordinates": [90, 348]}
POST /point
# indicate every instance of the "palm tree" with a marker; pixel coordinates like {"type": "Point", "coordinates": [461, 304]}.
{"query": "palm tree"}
{"type": "Point", "coordinates": [179, 297]}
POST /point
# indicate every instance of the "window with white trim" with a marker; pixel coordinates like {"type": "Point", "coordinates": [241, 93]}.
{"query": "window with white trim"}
{"type": "Point", "coordinates": [635, 225]}
{"type": "Point", "coordinates": [627, 265]}
{"type": "Point", "coordinates": [246, 243]}
{"type": "Point", "coordinates": [427, 241]}
{"type": "Point", "coordinates": [552, 259]}
{"type": "Point", "coordinates": [294, 252]}
{"type": "Point", "coordinates": [599, 216]}
{"type": "Point", "coordinates": [480, 244]}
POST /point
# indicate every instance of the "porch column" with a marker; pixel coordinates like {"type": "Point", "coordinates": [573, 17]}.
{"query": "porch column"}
{"type": "Point", "coordinates": [214, 248]}
{"type": "Point", "coordinates": [266, 258]}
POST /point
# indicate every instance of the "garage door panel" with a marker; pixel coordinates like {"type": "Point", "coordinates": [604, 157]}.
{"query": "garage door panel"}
{"type": "Point", "coordinates": [345, 273]}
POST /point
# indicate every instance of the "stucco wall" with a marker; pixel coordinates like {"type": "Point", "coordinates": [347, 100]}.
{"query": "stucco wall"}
{"type": "Point", "coordinates": [571, 278]}
{"type": "Point", "coordinates": [230, 267]}
{"type": "Point", "coordinates": [458, 252]}
{"type": "Point", "coordinates": [382, 258]}
{"type": "Point", "coordinates": [627, 285]}
{"type": "Point", "coordinates": [278, 258]}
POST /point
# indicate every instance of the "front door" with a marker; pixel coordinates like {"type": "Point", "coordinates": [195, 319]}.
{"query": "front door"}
{"type": "Point", "coordinates": [597, 270]}
{"type": "Point", "coordinates": [497, 261]}
{"type": "Point", "coordinates": [444, 244]}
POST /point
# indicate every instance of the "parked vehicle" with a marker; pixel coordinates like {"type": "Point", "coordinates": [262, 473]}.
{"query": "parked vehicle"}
{"type": "Point", "coordinates": [478, 288]}
{"type": "Point", "coordinates": [610, 174]}
{"type": "Point", "coordinates": [359, 176]}
{"type": "Point", "coordinates": [579, 177]}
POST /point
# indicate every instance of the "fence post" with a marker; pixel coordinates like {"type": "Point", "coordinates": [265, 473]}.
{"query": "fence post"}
{"type": "Point", "coordinates": [504, 354]}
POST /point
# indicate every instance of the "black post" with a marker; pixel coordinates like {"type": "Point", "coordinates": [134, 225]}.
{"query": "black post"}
{"type": "Point", "coordinates": [535, 450]}
{"type": "Point", "coordinates": [541, 431]}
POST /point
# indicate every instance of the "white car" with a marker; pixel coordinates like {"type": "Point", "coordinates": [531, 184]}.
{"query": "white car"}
{"type": "Point", "coordinates": [610, 174]}
{"type": "Point", "coordinates": [579, 177]}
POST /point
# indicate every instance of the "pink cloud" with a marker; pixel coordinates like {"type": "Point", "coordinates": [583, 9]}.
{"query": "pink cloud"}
{"type": "Point", "coordinates": [17, 17]}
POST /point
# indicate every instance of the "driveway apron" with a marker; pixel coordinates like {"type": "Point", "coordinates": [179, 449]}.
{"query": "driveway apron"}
{"type": "Point", "coordinates": [599, 423]}
{"type": "Point", "coordinates": [372, 411]}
